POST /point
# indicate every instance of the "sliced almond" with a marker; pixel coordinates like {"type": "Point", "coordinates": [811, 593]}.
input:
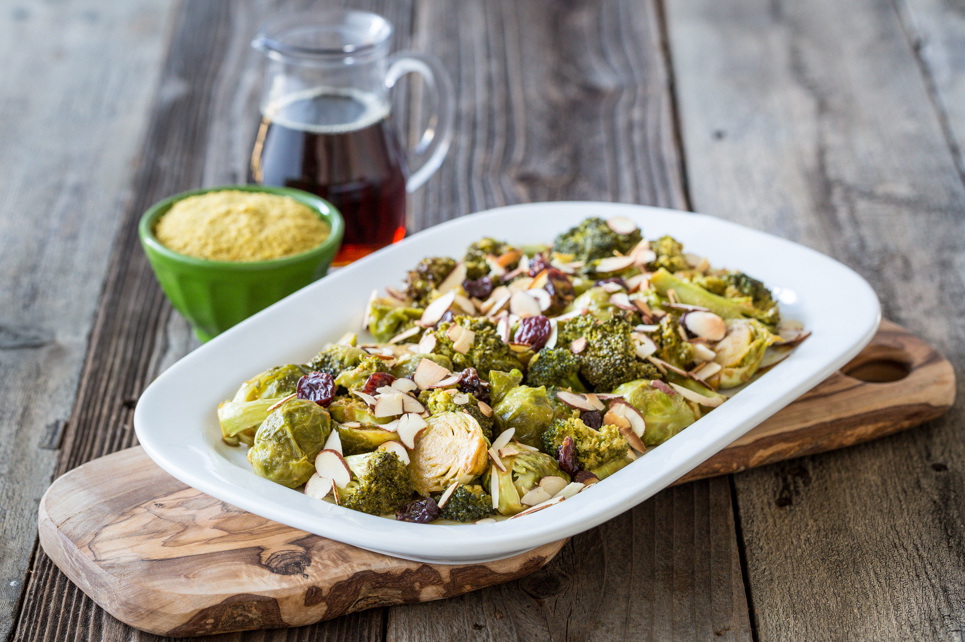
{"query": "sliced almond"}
{"type": "Point", "coordinates": [434, 311]}
{"type": "Point", "coordinates": [595, 401]}
{"type": "Point", "coordinates": [503, 439]}
{"type": "Point", "coordinates": [706, 370]}
{"type": "Point", "coordinates": [412, 405]}
{"type": "Point", "coordinates": [690, 395]}
{"type": "Point", "coordinates": [614, 263]}
{"type": "Point", "coordinates": [404, 385]}
{"type": "Point", "coordinates": [539, 507]}
{"type": "Point", "coordinates": [552, 484]}
{"type": "Point", "coordinates": [454, 279]}
{"type": "Point", "coordinates": [485, 408]}
{"type": "Point", "coordinates": [498, 304]}
{"type": "Point", "coordinates": [429, 373]}
{"type": "Point", "coordinates": [460, 398]}
{"type": "Point", "coordinates": [611, 287]}
{"type": "Point", "coordinates": [503, 329]}
{"type": "Point", "coordinates": [428, 343]}
{"type": "Point", "coordinates": [410, 427]}
{"type": "Point", "coordinates": [395, 294]}
{"type": "Point", "coordinates": [540, 280]}
{"type": "Point", "coordinates": [451, 380]}
{"type": "Point", "coordinates": [334, 442]}
{"type": "Point", "coordinates": [397, 448]}
{"type": "Point", "coordinates": [578, 345]}
{"type": "Point", "coordinates": [389, 405]}
{"type": "Point", "coordinates": [446, 495]}
{"type": "Point", "coordinates": [366, 318]}
{"type": "Point", "coordinates": [635, 442]}
{"type": "Point", "coordinates": [570, 490]}
{"type": "Point", "coordinates": [542, 297]}
{"type": "Point", "coordinates": [621, 225]}
{"type": "Point", "coordinates": [508, 451]}
{"type": "Point", "coordinates": [497, 460]}
{"type": "Point", "coordinates": [402, 336]}
{"type": "Point", "coordinates": [574, 400]}
{"type": "Point", "coordinates": [494, 489]}
{"type": "Point", "coordinates": [612, 418]}
{"type": "Point", "coordinates": [705, 325]}
{"type": "Point", "coordinates": [524, 305]}
{"type": "Point", "coordinates": [368, 399]}
{"type": "Point", "coordinates": [622, 301]}
{"type": "Point", "coordinates": [281, 402]}
{"type": "Point", "coordinates": [643, 345]}
{"type": "Point", "coordinates": [554, 334]}
{"type": "Point", "coordinates": [660, 363]}
{"type": "Point", "coordinates": [319, 487]}
{"type": "Point", "coordinates": [703, 353]}
{"type": "Point", "coordinates": [331, 464]}
{"type": "Point", "coordinates": [638, 282]}
{"type": "Point", "coordinates": [536, 496]}
{"type": "Point", "coordinates": [466, 305]}
{"type": "Point", "coordinates": [464, 342]}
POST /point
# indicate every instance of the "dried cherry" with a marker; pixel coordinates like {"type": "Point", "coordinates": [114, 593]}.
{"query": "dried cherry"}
{"type": "Point", "coordinates": [566, 456]}
{"type": "Point", "coordinates": [377, 380]}
{"type": "Point", "coordinates": [592, 418]}
{"type": "Point", "coordinates": [421, 511]}
{"type": "Point", "coordinates": [471, 382]}
{"type": "Point", "coordinates": [534, 331]}
{"type": "Point", "coordinates": [316, 386]}
{"type": "Point", "coordinates": [537, 264]}
{"type": "Point", "coordinates": [560, 289]}
{"type": "Point", "coordinates": [480, 288]}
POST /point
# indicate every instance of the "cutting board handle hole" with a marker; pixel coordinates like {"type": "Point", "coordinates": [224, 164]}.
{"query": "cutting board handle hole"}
{"type": "Point", "coordinates": [878, 370]}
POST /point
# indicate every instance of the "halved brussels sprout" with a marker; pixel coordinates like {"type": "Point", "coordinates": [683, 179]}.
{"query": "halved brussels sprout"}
{"type": "Point", "coordinates": [288, 441]}
{"type": "Point", "coordinates": [451, 449]}
{"type": "Point", "coordinates": [664, 414]}
{"type": "Point", "coordinates": [741, 351]}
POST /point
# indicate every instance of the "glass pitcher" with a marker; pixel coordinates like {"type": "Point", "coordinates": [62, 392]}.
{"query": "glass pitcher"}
{"type": "Point", "coordinates": [326, 125]}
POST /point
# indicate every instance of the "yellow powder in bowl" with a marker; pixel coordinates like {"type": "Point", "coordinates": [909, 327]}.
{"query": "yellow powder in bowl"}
{"type": "Point", "coordinates": [233, 225]}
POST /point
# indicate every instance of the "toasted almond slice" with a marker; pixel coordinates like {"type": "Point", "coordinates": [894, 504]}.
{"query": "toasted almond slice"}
{"type": "Point", "coordinates": [434, 311]}
{"type": "Point", "coordinates": [524, 305]}
{"type": "Point", "coordinates": [646, 328]}
{"type": "Point", "coordinates": [539, 281]}
{"type": "Point", "coordinates": [485, 408]}
{"type": "Point", "coordinates": [552, 484]}
{"type": "Point", "coordinates": [638, 282]}
{"type": "Point", "coordinates": [497, 460]}
{"type": "Point", "coordinates": [664, 366]}
{"type": "Point", "coordinates": [395, 294]}
{"type": "Point", "coordinates": [635, 442]}
{"type": "Point", "coordinates": [485, 520]}
{"type": "Point", "coordinates": [706, 370]}
{"type": "Point", "coordinates": [428, 373]}
{"type": "Point", "coordinates": [404, 385]}
{"type": "Point", "coordinates": [460, 398]}
{"type": "Point", "coordinates": [451, 380]}
{"type": "Point", "coordinates": [446, 495]}
{"type": "Point", "coordinates": [554, 334]}
{"type": "Point", "coordinates": [402, 336]}
{"type": "Point", "coordinates": [454, 332]}
{"type": "Point", "coordinates": [614, 418]}
{"type": "Point", "coordinates": [570, 490]}
{"type": "Point", "coordinates": [611, 287]}
{"type": "Point", "coordinates": [517, 445]}
{"type": "Point", "coordinates": [542, 297]}
{"type": "Point", "coordinates": [703, 353]}
{"type": "Point", "coordinates": [499, 304]}
{"type": "Point", "coordinates": [397, 448]}
{"type": "Point", "coordinates": [387, 390]}
{"type": "Point", "coordinates": [622, 301]}
{"type": "Point", "coordinates": [366, 318]}
{"type": "Point", "coordinates": [536, 496]}
{"type": "Point", "coordinates": [621, 224]}
{"type": "Point", "coordinates": [428, 343]}
{"type": "Point", "coordinates": [508, 451]}
{"type": "Point", "coordinates": [392, 426]}
{"type": "Point", "coordinates": [503, 328]}
{"type": "Point", "coordinates": [466, 305]}
{"type": "Point", "coordinates": [319, 487]}
{"type": "Point", "coordinates": [334, 442]}
{"type": "Point", "coordinates": [503, 438]}
{"type": "Point", "coordinates": [690, 395]}
{"type": "Point", "coordinates": [464, 342]}
{"type": "Point", "coordinates": [574, 400]}
{"type": "Point", "coordinates": [411, 404]}
{"type": "Point", "coordinates": [644, 345]}
{"type": "Point", "coordinates": [539, 507]}
{"type": "Point", "coordinates": [368, 399]}
{"type": "Point", "coordinates": [389, 405]}
{"type": "Point", "coordinates": [614, 264]}
{"type": "Point", "coordinates": [410, 427]}
{"type": "Point", "coordinates": [351, 424]}
{"type": "Point", "coordinates": [578, 345]}
{"type": "Point", "coordinates": [572, 314]}
{"type": "Point", "coordinates": [509, 257]}
{"type": "Point", "coordinates": [595, 401]}
{"type": "Point", "coordinates": [642, 257]}
{"type": "Point", "coordinates": [331, 464]}
{"type": "Point", "coordinates": [705, 325]}
{"type": "Point", "coordinates": [454, 279]}
{"type": "Point", "coordinates": [281, 402]}
{"type": "Point", "coordinates": [494, 489]}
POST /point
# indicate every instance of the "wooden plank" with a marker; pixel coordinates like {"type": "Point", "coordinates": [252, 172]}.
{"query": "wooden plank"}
{"type": "Point", "coordinates": [72, 116]}
{"type": "Point", "coordinates": [569, 101]}
{"type": "Point", "coordinates": [813, 120]}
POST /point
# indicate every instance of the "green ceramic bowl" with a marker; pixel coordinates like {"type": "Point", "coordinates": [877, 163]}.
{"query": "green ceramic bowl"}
{"type": "Point", "coordinates": [215, 295]}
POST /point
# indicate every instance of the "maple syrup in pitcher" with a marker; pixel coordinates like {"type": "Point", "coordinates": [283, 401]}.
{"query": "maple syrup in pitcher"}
{"type": "Point", "coordinates": [326, 126]}
{"type": "Point", "coordinates": [344, 148]}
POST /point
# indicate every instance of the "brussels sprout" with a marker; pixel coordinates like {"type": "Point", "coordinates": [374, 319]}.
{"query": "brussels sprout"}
{"type": "Point", "coordinates": [596, 300]}
{"type": "Point", "coordinates": [355, 378]}
{"type": "Point", "coordinates": [240, 419]}
{"type": "Point", "coordinates": [451, 449]}
{"type": "Point", "coordinates": [405, 365]}
{"type": "Point", "coordinates": [741, 351]}
{"type": "Point", "coordinates": [502, 382]}
{"type": "Point", "coordinates": [530, 467]}
{"type": "Point", "coordinates": [664, 415]}
{"type": "Point", "coordinates": [509, 500]}
{"type": "Point", "coordinates": [388, 317]}
{"type": "Point", "coordinates": [288, 441]}
{"type": "Point", "coordinates": [274, 383]}
{"type": "Point", "coordinates": [438, 401]}
{"type": "Point", "coordinates": [336, 357]}
{"type": "Point", "coordinates": [529, 411]}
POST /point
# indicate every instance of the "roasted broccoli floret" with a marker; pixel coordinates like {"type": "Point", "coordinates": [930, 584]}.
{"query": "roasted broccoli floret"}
{"type": "Point", "coordinates": [742, 285]}
{"type": "Point", "coordinates": [426, 277]}
{"type": "Point", "coordinates": [671, 345]}
{"type": "Point", "coordinates": [608, 358]}
{"type": "Point", "coordinates": [556, 367]}
{"type": "Point", "coordinates": [475, 258]}
{"type": "Point", "coordinates": [336, 357]}
{"type": "Point", "coordinates": [380, 483]}
{"type": "Point", "coordinates": [468, 503]}
{"type": "Point", "coordinates": [487, 351]}
{"type": "Point", "coordinates": [355, 378]}
{"type": "Point", "coordinates": [601, 452]}
{"type": "Point", "coordinates": [593, 239]}
{"type": "Point", "coordinates": [437, 401]}
{"type": "Point", "coordinates": [723, 306]}
{"type": "Point", "coordinates": [670, 255]}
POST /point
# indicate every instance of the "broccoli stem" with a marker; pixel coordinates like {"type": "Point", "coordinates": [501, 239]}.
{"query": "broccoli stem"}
{"type": "Point", "coordinates": [691, 294]}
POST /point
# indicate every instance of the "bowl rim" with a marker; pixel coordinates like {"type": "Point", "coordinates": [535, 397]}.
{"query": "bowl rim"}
{"type": "Point", "coordinates": [328, 212]}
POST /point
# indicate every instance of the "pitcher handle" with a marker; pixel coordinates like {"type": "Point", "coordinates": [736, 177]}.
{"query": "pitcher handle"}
{"type": "Point", "coordinates": [434, 142]}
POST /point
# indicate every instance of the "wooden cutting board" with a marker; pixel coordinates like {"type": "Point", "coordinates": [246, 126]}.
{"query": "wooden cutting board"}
{"type": "Point", "coordinates": [168, 559]}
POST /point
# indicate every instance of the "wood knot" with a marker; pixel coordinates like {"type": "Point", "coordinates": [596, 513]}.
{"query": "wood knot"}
{"type": "Point", "coordinates": [291, 560]}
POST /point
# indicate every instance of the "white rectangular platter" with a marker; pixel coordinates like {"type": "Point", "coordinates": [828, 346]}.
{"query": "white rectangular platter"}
{"type": "Point", "coordinates": [176, 420]}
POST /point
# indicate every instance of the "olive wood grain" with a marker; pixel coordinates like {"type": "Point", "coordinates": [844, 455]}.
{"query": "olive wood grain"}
{"type": "Point", "coordinates": [168, 559]}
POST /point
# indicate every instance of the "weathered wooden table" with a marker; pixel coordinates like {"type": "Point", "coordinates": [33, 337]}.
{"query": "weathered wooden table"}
{"type": "Point", "coordinates": [837, 125]}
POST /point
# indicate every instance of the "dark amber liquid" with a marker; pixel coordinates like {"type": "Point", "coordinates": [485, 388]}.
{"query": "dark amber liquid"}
{"type": "Point", "coordinates": [335, 146]}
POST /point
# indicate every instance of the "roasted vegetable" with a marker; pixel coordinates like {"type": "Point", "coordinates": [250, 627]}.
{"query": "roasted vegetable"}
{"type": "Point", "coordinates": [601, 452]}
{"type": "Point", "coordinates": [693, 294]}
{"type": "Point", "coordinates": [664, 414]}
{"type": "Point", "coordinates": [594, 239]}
{"type": "Point", "coordinates": [425, 278]}
{"type": "Point", "coordinates": [380, 483]}
{"type": "Point", "coordinates": [355, 378]}
{"type": "Point", "coordinates": [486, 352]}
{"type": "Point", "coordinates": [451, 449]}
{"type": "Point", "coordinates": [740, 352]}
{"type": "Point", "coordinates": [387, 317]}
{"type": "Point", "coordinates": [337, 357]}
{"type": "Point", "coordinates": [557, 367]}
{"type": "Point", "coordinates": [475, 258]}
{"type": "Point", "coordinates": [528, 411]}
{"type": "Point", "coordinates": [670, 255]}
{"type": "Point", "coordinates": [608, 357]}
{"type": "Point", "coordinates": [672, 347]}
{"type": "Point", "coordinates": [468, 503]}
{"type": "Point", "coordinates": [530, 467]}
{"type": "Point", "coordinates": [405, 365]}
{"type": "Point", "coordinates": [451, 400]}
{"type": "Point", "coordinates": [288, 441]}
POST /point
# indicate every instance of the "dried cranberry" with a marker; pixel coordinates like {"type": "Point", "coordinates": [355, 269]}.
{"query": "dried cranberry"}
{"type": "Point", "coordinates": [377, 380]}
{"type": "Point", "coordinates": [470, 382]}
{"type": "Point", "coordinates": [316, 386]}
{"type": "Point", "coordinates": [480, 288]}
{"type": "Point", "coordinates": [534, 331]}
{"type": "Point", "coordinates": [592, 418]}
{"type": "Point", "coordinates": [613, 279]}
{"type": "Point", "coordinates": [566, 456]}
{"type": "Point", "coordinates": [585, 477]}
{"type": "Point", "coordinates": [537, 264]}
{"type": "Point", "coordinates": [421, 511]}
{"type": "Point", "coordinates": [560, 289]}
{"type": "Point", "coordinates": [447, 317]}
